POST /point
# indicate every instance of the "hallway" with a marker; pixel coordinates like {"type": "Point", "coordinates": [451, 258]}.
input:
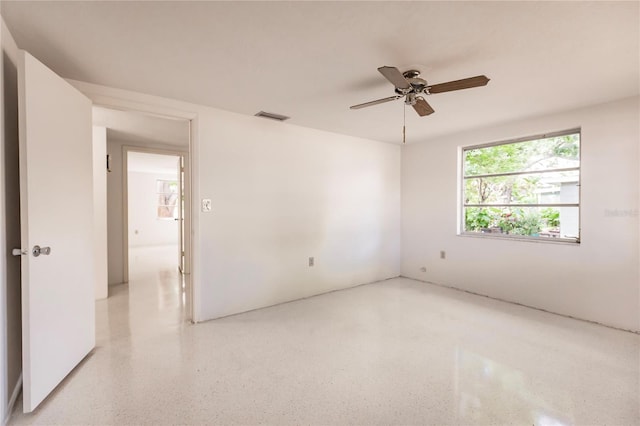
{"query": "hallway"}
{"type": "Point", "coordinates": [153, 302]}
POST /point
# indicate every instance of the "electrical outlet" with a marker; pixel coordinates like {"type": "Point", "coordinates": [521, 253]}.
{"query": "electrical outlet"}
{"type": "Point", "coordinates": [443, 254]}
{"type": "Point", "coordinates": [206, 205]}
{"type": "Point", "coordinates": [311, 261]}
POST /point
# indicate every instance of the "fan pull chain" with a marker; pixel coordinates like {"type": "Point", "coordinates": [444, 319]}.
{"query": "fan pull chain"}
{"type": "Point", "coordinates": [404, 124]}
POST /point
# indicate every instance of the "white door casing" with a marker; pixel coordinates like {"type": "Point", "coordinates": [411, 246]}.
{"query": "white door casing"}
{"type": "Point", "coordinates": [181, 204]}
{"type": "Point", "coordinates": [56, 202]}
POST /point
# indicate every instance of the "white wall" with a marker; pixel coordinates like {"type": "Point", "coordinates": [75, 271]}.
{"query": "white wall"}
{"type": "Point", "coordinates": [281, 193]}
{"type": "Point", "coordinates": [145, 229]}
{"type": "Point", "coordinates": [100, 209]}
{"type": "Point", "coordinates": [10, 298]}
{"type": "Point", "coordinates": [597, 280]}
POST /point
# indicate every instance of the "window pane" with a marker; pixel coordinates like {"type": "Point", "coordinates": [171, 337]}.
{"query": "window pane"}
{"type": "Point", "coordinates": [539, 154]}
{"type": "Point", "coordinates": [167, 199]}
{"type": "Point", "coordinates": [537, 188]}
{"type": "Point", "coordinates": [166, 186]}
{"type": "Point", "coordinates": [544, 222]}
{"type": "Point", "coordinates": [167, 211]}
{"type": "Point", "coordinates": [167, 192]}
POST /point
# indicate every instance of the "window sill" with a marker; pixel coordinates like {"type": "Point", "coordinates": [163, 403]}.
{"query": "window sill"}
{"type": "Point", "coordinates": [506, 237]}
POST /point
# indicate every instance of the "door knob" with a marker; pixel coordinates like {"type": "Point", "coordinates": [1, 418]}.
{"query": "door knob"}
{"type": "Point", "coordinates": [37, 251]}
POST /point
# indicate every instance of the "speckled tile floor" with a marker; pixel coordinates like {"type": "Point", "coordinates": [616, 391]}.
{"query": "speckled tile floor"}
{"type": "Point", "coordinates": [394, 352]}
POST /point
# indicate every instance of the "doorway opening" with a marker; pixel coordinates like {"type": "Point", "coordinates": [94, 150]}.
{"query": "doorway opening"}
{"type": "Point", "coordinates": [155, 226]}
{"type": "Point", "coordinates": [154, 211]}
{"type": "Point", "coordinates": [148, 207]}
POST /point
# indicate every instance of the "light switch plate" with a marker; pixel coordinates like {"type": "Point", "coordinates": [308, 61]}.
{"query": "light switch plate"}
{"type": "Point", "coordinates": [206, 205]}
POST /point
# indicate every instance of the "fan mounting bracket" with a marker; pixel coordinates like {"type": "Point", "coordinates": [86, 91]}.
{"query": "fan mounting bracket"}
{"type": "Point", "coordinates": [411, 74]}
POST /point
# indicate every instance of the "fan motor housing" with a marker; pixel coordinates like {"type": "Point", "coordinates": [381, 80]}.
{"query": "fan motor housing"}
{"type": "Point", "coordinates": [417, 84]}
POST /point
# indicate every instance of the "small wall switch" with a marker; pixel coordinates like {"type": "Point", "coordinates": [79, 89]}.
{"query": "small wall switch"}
{"type": "Point", "coordinates": [206, 205]}
{"type": "Point", "coordinates": [443, 254]}
{"type": "Point", "coordinates": [311, 261]}
{"type": "Point", "coordinates": [423, 269]}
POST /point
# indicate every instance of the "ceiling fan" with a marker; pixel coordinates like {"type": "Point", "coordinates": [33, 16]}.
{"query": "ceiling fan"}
{"type": "Point", "coordinates": [410, 86]}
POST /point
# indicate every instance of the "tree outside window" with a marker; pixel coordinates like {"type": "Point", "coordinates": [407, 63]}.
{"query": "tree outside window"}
{"type": "Point", "coordinates": [168, 194]}
{"type": "Point", "coordinates": [527, 188]}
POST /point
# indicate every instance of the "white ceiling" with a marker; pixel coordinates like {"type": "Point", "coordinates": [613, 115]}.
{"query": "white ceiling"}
{"type": "Point", "coordinates": [312, 60]}
{"type": "Point", "coordinates": [152, 163]}
{"type": "Point", "coordinates": [135, 127]}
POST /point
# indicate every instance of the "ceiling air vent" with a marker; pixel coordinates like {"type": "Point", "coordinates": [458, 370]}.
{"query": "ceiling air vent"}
{"type": "Point", "coordinates": [272, 116]}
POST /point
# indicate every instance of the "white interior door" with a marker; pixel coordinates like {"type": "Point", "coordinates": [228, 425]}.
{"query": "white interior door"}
{"type": "Point", "coordinates": [56, 202]}
{"type": "Point", "coordinates": [180, 207]}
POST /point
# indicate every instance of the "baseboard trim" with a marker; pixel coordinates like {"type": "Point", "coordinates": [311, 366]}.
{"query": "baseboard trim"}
{"type": "Point", "coordinates": [295, 300]}
{"type": "Point", "coordinates": [13, 399]}
{"type": "Point", "coordinates": [520, 304]}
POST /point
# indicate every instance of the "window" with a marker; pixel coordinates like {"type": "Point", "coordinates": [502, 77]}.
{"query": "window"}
{"type": "Point", "coordinates": [528, 188]}
{"type": "Point", "coordinates": [167, 191]}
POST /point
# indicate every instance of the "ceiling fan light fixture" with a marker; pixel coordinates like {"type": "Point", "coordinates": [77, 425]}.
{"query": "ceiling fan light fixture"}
{"type": "Point", "coordinates": [272, 116]}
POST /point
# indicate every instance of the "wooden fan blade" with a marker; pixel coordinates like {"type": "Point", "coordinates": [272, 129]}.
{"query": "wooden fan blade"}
{"type": "Point", "coordinates": [422, 107]}
{"type": "Point", "coordinates": [395, 77]}
{"type": "Point", "coordinates": [376, 102]}
{"type": "Point", "coordinates": [465, 83]}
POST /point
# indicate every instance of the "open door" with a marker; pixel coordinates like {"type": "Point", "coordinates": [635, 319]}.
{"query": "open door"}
{"type": "Point", "coordinates": [56, 203]}
{"type": "Point", "coordinates": [180, 205]}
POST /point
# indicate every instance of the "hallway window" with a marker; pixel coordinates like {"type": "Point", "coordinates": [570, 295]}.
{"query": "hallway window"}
{"type": "Point", "coordinates": [167, 191]}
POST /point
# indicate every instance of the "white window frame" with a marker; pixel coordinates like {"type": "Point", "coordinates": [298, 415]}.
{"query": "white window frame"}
{"type": "Point", "coordinates": [461, 190]}
{"type": "Point", "coordinates": [158, 205]}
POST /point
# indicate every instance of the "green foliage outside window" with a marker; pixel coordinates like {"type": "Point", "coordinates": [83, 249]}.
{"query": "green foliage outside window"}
{"type": "Point", "coordinates": [551, 217]}
{"type": "Point", "coordinates": [527, 172]}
